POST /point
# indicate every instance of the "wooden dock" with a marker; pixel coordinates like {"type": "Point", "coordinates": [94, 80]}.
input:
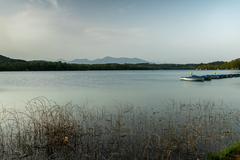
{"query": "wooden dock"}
{"type": "Point", "coordinates": [220, 76]}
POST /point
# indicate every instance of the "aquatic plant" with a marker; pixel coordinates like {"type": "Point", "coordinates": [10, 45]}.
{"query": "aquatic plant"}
{"type": "Point", "coordinates": [45, 130]}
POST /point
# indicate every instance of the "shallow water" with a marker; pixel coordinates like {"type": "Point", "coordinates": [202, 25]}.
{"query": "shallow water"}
{"type": "Point", "coordinates": [108, 88]}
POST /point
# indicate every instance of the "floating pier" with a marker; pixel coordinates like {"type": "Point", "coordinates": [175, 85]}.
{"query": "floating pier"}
{"type": "Point", "coordinates": [209, 77]}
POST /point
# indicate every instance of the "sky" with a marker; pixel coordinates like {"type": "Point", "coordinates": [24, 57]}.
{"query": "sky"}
{"type": "Point", "coordinates": [161, 31]}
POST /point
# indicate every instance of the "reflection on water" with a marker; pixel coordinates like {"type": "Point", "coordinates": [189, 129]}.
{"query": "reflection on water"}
{"type": "Point", "coordinates": [145, 88]}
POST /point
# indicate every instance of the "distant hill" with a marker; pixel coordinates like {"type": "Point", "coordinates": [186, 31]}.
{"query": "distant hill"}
{"type": "Point", "coordinates": [217, 63]}
{"type": "Point", "coordinates": [234, 64]}
{"type": "Point", "coordinates": [61, 60]}
{"type": "Point", "coordinates": [4, 59]}
{"type": "Point", "coordinates": [238, 59]}
{"type": "Point", "coordinates": [110, 60]}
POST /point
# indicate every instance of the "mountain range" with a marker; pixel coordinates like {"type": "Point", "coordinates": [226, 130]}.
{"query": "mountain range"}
{"type": "Point", "coordinates": [109, 60]}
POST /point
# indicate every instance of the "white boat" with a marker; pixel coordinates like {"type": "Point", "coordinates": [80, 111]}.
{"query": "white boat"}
{"type": "Point", "coordinates": [192, 78]}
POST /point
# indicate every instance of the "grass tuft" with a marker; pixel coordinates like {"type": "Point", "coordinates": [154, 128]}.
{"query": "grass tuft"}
{"type": "Point", "coordinates": [230, 153]}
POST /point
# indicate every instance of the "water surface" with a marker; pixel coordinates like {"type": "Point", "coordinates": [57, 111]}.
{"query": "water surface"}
{"type": "Point", "coordinates": [107, 88]}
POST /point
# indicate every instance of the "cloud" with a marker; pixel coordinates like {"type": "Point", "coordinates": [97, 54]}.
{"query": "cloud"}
{"type": "Point", "coordinates": [28, 32]}
{"type": "Point", "coordinates": [51, 3]}
{"type": "Point", "coordinates": [113, 33]}
{"type": "Point", "coordinates": [38, 32]}
{"type": "Point", "coordinates": [54, 3]}
{"type": "Point", "coordinates": [52, 28]}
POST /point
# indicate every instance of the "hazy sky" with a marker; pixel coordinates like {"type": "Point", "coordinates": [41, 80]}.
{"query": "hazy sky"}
{"type": "Point", "coordinates": [178, 31]}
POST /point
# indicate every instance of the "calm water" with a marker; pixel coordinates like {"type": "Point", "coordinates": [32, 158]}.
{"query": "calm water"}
{"type": "Point", "coordinates": [105, 88]}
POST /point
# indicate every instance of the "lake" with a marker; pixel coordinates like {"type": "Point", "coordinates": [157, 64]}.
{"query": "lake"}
{"type": "Point", "coordinates": [110, 88]}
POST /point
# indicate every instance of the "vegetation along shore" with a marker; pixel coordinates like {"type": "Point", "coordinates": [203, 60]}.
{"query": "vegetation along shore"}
{"type": "Point", "coordinates": [9, 64]}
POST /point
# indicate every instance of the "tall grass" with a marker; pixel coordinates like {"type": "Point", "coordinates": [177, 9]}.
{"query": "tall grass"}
{"type": "Point", "coordinates": [45, 130]}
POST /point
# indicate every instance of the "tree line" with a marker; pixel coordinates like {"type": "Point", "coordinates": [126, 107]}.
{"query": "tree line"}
{"type": "Point", "coordinates": [235, 64]}
{"type": "Point", "coordinates": [62, 66]}
{"type": "Point", "coordinates": [9, 64]}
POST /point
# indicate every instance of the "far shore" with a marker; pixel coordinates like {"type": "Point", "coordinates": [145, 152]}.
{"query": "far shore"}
{"type": "Point", "coordinates": [9, 64]}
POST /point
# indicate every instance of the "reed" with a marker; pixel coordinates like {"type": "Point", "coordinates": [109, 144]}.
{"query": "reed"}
{"type": "Point", "coordinates": [45, 130]}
